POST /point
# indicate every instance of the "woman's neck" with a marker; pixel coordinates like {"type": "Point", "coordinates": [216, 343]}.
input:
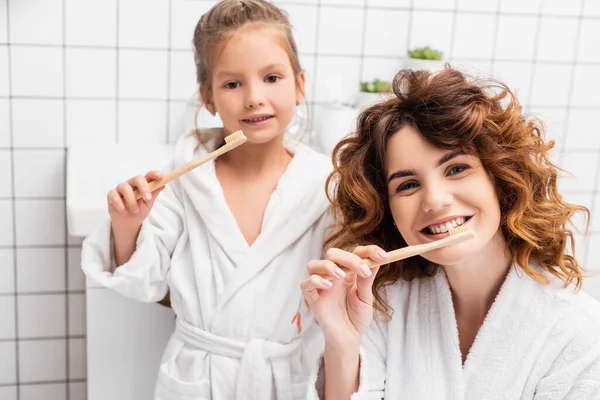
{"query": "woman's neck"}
{"type": "Point", "coordinates": [475, 283]}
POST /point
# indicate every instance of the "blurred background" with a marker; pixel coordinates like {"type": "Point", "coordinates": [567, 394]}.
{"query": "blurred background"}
{"type": "Point", "coordinates": [121, 72]}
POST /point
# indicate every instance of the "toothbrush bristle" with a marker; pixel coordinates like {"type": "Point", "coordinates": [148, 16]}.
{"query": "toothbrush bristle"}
{"type": "Point", "coordinates": [458, 229]}
{"type": "Point", "coordinates": [234, 136]}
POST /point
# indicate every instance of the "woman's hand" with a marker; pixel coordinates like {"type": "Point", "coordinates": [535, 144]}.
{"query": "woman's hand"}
{"type": "Point", "coordinates": [339, 291]}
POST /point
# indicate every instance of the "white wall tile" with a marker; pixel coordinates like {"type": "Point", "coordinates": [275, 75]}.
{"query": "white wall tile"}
{"type": "Point", "coordinates": [583, 133]}
{"type": "Point", "coordinates": [77, 359]}
{"type": "Point", "coordinates": [389, 3]}
{"type": "Point", "coordinates": [8, 392]}
{"type": "Point", "coordinates": [591, 8]}
{"type": "Point", "coordinates": [515, 39]}
{"type": "Point", "coordinates": [91, 72]}
{"type": "Point", "coordinates": [477, 5]}
{"type": "Point", "coordinates": [91, 22]}
{"type": "Point", "coordinates": [38, 122]}
{"type": "Point", "coordinates": [340, 31]}
{"type": "Point", "coordinates": [521, 7]}
{"type": "Point", "coordinates": [53, 391]}
{"type": "Point", "coordinates": [142, 121]}
{"type": "Point", "coordinates": [554, 121]}
{"type": "Point", "coordinates": [474, 68]}
{"type": "Point", "coordinates": [386, 33]}
{"type": "Point", "coordinates": [551, 85]}
{"type": "Point", "coordinates": [4, 70]}
{"type": "Point", "coordinates": [77, 320]}
{"type": "Point", "coordinates": [29, 78]}
{"type": "Point", "coordinates": [3, 27]}
{"type": "Point", "coordinates": [143, 23]}
{"type": "Point", "coordinates": [344, 2]}
{"type": "Point", "coordinates": [422, 35]}
{"type": "Point", "coordinates": [560, 7]}
{"type": "Point", "coordinates": [378, 68]}
{"type": "Point", "coordinates": [184, 17]}
{"type": "Point", "coordinates": [143, 74]}
{"type": "Point", "coordinates": [7, 316]}
{"type": "Point", "coordinates": [304, 26]}
{"type": "Point", "coordinates": [40, 270]}
{"type": "Point", "coordinates": [91, 121]}
{"type": "Point", "coordinates": [40, 222]}
{"type": "Point", "coordinates": [6, 228]}
{"type": "Point", "coordinates": [578, 164]}
{"type": "Point", "coordinates": [4, 123]}
{"type": "Point", "coordinates": [589, 40]}
{"type": "Point", "coordinates": [474, 36]}
{"type": "Point", "coordinates": [53, 352]}
{"type": "Point", "coordinates": [7, 271]}
{"type": "Point", "coordinates": [6, 168]}
{"type": "Point", "coordinates": [42, 316]}
{"type": "Point", "coordinates": [591, 285]}
{"type": "Point", "coordinates": [76, 277]}
{"type": "Point", "coordinates": [586, 86]}
{"type": "Point", "coordinates": [36, 21]}
{"type": "Point", "coordinates": [434, 4]}
{"type": "Point", "coordinates": [8, 372]}
{"type": "Point", "coordinates": [517, 75]}
{"type": "Point", "coordinates": [182, 84]}
{"type": "Point", "coordinates": [338, 79]}
{"type": "Point", "coordinates": [78, 391]}
{"type": "Point", "coordinates": [557, 38]}
{"type": "Point", "coordinates": [49, 177]}
{"type": "Point", "coordinates": [595, 217]}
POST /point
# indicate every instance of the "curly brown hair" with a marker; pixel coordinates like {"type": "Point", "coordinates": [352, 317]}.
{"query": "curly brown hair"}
{"type": "Point", "coordinates": [482, 117]}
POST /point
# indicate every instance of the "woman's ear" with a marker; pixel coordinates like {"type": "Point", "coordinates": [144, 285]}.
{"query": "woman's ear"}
{"type": "Point", "coordinates": [206, 97]}
{"type": "Point", "coordinates": [300, 86]}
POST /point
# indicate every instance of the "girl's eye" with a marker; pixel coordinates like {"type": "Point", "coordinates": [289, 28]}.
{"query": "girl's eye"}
{"type": "Point", "coordinates": [273, 78]}
{"type": "Point", "coordinates": [231, 85]}
{"type": "Point", "coordinates": [457, 169]}
{"type": "Point", "coordinates": [407, 186]}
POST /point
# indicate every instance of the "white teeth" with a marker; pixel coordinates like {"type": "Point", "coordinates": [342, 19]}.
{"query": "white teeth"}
{"type": "Point", "coordinates": [257, 119]}
{"type": "Point", "coordinates": [447, 226]}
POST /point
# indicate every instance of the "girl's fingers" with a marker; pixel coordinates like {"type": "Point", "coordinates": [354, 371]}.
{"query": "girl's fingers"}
{"type": "Point", "coordinates": [114, 199]}
{"type": "Point", "coordinates": [141, 184]}
{"type": "Point", "coordinates": [126, 191]}
{"type": "Point", "coordinates": [350, 261]}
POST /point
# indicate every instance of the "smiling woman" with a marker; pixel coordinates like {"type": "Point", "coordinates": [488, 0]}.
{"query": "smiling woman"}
{"type": "Point", "coordinates": [497, 316]}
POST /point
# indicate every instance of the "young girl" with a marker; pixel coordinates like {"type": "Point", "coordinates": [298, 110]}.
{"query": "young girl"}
{"type": "Point", "coordinates": [497, 316]}
{"type": "Point", "coordinates": [229, 239]}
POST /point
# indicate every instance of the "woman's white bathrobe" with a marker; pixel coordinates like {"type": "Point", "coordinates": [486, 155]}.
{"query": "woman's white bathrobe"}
{"type": "Point", "coordinates": [537, 342]}
{"type": "Point", "coordinates": [242, 329]}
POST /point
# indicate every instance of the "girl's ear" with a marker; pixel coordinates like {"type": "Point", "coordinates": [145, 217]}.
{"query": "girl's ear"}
{"type": "Point", "coordinates": [206, 97]}
{"type": "Point", "coordinates": [300, 85]}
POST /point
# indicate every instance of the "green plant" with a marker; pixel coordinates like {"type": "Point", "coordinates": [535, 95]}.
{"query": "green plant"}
{"type": "Point", "coordinates": [425, 53]}
{"type": "Point", "coordinates": [376, 86]}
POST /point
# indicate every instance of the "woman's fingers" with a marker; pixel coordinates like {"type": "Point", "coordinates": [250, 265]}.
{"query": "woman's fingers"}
{"type": "Point", "coordinates": [349, 261]}
{"type": "Point", "coordinates": [326, 268]}
{"type": "Point", "coordinates": [371, 252]}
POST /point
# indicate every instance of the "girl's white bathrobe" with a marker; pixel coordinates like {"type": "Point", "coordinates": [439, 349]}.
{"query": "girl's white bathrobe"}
{"type": "Point", "coordinates": [537, 342]}
{"type": "Point", "coordinates": [242, 329]}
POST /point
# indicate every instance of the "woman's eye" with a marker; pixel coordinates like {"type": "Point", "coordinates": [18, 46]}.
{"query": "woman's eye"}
{"type": "Point", "coordinates": [407, 186]}
{"type": "Point", "coordinates": [457, 169]}
{"type": "Point", "coordinates": [231, 85]}
{"type": "Point", "coordinates": [273, 78]}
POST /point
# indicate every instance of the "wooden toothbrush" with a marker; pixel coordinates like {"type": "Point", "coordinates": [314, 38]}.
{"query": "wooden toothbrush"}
{"type": "Point", "coordinates": [457, 235]}
{"type": "Point", "coordinates": [232, 141]}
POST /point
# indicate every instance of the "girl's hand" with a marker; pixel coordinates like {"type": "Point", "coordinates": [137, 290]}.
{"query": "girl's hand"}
{"type": "Point", "coordinates": [341, 301]}
{"type": "Point", "coordinates": [127, 212]}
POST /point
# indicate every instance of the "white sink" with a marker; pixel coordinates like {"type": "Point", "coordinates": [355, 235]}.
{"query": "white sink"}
{"type": "Point", "coordinates": [92, 170]}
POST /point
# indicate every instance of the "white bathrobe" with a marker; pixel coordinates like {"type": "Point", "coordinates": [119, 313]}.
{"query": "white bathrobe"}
{"type": "Point", "coordinates": [243, 330]}
{"type": "Point", "coordinates": [537, 342]}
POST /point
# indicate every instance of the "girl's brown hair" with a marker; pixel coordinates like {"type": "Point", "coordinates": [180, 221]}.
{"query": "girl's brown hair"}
{"type": "Point", "coordinates": [230, 17]}
{"type": "Point", "coordinates": [483, 118]}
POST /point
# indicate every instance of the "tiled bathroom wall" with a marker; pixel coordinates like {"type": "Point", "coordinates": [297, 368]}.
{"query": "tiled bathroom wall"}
{"type": "Point", "coordinates": [121, 71]}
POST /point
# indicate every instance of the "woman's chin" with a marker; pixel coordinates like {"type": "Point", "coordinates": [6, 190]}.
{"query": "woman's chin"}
{"type": "Point", "coordinates": [449, 255]}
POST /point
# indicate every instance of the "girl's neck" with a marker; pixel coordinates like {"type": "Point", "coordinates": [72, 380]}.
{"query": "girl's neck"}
{"type": "Point", "coordinates": [252, 159]}
{"type": "Point", "coordinates": [476, 282]}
